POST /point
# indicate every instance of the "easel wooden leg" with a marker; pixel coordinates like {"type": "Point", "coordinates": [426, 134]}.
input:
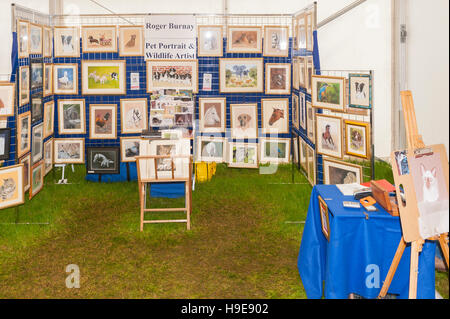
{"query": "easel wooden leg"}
{"type": "Point", "coordinates": [397, 257]}
{"type": "Point", "coordinates": [416, 248]}
{"type": "Point", "coordinates": [443, 241]}
{"type": "Point", "coordinates": [142, 200]}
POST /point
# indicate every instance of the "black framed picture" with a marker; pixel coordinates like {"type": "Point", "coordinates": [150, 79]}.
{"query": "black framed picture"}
{"type": "Point", "coordinates": [5, 140]}
{"type": "Point", "coordinates": [37, 108]}
{"type": "Point", "coordinates": [36, 74]}
{"type": "Point", "coordinates": [103, 160]}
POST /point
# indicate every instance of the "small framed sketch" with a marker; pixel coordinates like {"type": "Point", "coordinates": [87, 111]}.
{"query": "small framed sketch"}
{"type": "Point", "coordinates": [26, 161]}
{"type": "Point", "coordinates": [172, 74]}
{"type": "Point", "coordinates": [7, 99]}
{"type": "Point", "coordinates": [242, 155]}
{"type": "Point", "coordinates": [309, 72]}
{"type": "Point", "coordinates": [329, 135]}
{"type": "Point", "coordinates": [49, 118]}
{"type": "Point", "coordinates": [301, 31]}
{"type": "Point", "coordinates": [360, 91]}
{"type": "Point", "coordinates": [68, 150]}
{"type": "Point", "coordinates": [48, 156]}
{"type": "Point", "coordinates": [131, 40]}
{"type": "Point", "coordinates": [23, 29]}
{"type": "Point", "coordinates": [67, 41]}
{"type": "Point", "coordinates": [337, 172]}
{"type": "Point", "coordinates": [278, 78]}
{"type": "Point", "coordinates": [65, 79]}
{"type": "Point", "coordinates": [37, 179]}
{"type": "Point", "coordinates": [24, 85]}
{"type": "Point", "coordinates": [244, 39]}
{"type": "Point", "coordinates": [357, 138]}
{"type": "Point", "coordinates": [103, 121]}
{"type": "Point", "coordinates": [212, 115]}
{"type": "Point", "coordinates": [303, 155]}
{"type": "Point", "coordinates": [37, 109]}
{"type": "Point", "coordinates": [99, 38]}
{"type": "Point", "coordinates": [311, 162]}
{"type": "Point", "coordinates": [328, 92]}
{"type": "Point", "coordinates": [295, 111]}
{"type": "Point", "coordinates": [296, 73]}
{"type": "Point", "coordinates": [37, 143]}
{"type": "Point", "coordinates": [134, 117]}
{"type": "Point", "coordinates": [242, 75]}
{"type": "Point", "coordinates": [211, 149]}
{"type": "Point", "coordinates": [276, 41]}
{"type": "Point", "coordinates": [48, 80]}
{"type": "Point", "coordinates": [244, 121]}
{"type": "Point", "coordinates": [310, 118]}
{"type": "Point", "coordinates": [47, 43]}
{"type": "Point", "coordinates": [302, 62]}
{"type": "Point", "coordinates": [71, 116]}
{"type": "Point", "coordinates": [129, 148]}
{"type": "Point", "coordinates": [210, 40]}
{"type": "Point", "coordinates": [103, 160]}
{"type": "Point", "coordinates": [37, 73]}
{"type": "Point", "coordinates": [35, 38]}
{"type": "Point", "coordinates": [103, 77]}
{"type": "Point", "coordinates": [11, 184]}
{"type": "Point", "coordinates": [274, 150]}
{"type": "Point", "coordinates": [5, 141]}
{"type": "Point", "coordinates": [302, 111]}
{"type": "Point", "coordinates": [324, 218]}
{"type": "Point", "coordinates": [275, 116]}
{"type": "Point", "coordinates": [23, 133]}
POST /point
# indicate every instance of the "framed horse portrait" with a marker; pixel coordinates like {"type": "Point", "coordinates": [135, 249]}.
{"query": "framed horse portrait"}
{"type": "Point", "coordinates": [276, 41]}
{"type": "Point", "coordinates": [134, 115]}
{"type": "Point", "coordinates": [357, 138]}
{"type": "Point", "coordinates": [67, 42]}
{"type": "Point", "coordinates": [172, 74]}
{"type": "Point", "coordinates": [99, 38]}
{"type": "Point", "coordinates": [244, 39]}
{"type": "Point", "coordinates": [278, 78]}
{"type": "Point", "coordinates": [210, 40]}
{"type": "Point", "coordinates": [275, 116]}
{"type": "Point", "coordinates": [244, 121]}
{"type": "Point", "coordinates": [212, 115]}
{"type": "Point", "coordinates": [329, 135]}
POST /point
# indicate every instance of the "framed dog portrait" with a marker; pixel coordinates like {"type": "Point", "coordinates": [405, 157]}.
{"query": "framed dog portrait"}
{"type": "Point", "coordinates": [360, 91]}
{"type": "Point", "coordinates": [103, 121]}
{"type": "Point", "coordinates": [131, 40]}
{"type": "Point", "coordinates": [71, 116]}
{"type": "Point", "coordinates": [103, 77]}
{"type": "Point", "coordinates": [68, 150]}
{"type": "Point", "coordinates": [278, 78]}
{"type": "Point", "coordinates": [37, 179]}
{"type": "Point", "coordinates": [276, 41]}
{"type": "Point", "coordinates": [24, 85]}
{"type": "Point", "coordinates": [47, 42]}
{"type": "Point", "coordinates": [212, 115]}
{"type": "Point", "coordinates": [48, 156]}
{"type": "Point", "coordinates": [211, 149]}
{"type": "Point", "coordinates": [7, 98]}
{"type": "Point", "coordinates": [37, 73]}
{"type": "Point", "coordinates": [26, 162]}
{"type": "Point", "coordinates": [357, 138]}
{"type": "Point", "coordinates": [242, 155]}
{"type": "Point", "coordinates": [244, 39]}
{"type": "Point", "coordinates": [99, 38]}
{"type": "Point", "coordinates": [5, 141]}
{"type": "Point", "coordinates": [311, 162]}
{"type": "Point", "coordinates": [328, 92]}
{"type": "Point", "coordinates": [103, 160]}
{"type": "Point", "coordinates": [37, 143]}
{"type": "Point", "coordinates": [275, 116]}
{"type": "Point", "coordinates": [65, 79]}
{"type": "Point", "coordinates": [23, 133]}
{"type": "Point", "coordinates": [67, 42]}
{"type": "Point", "coordinates": [210, 41]}
{"type": "Point", "coordinates": [172, 74]}
{"type": "Point", "coordinates": [274, 150]}
{"type": "Point", "coordinates": [49, 118]}
{"type": "Point", "coordinates": [37, 109]}
{"type": "Point", "coordinates": [11, 184]}
{"type": "Point", "coordinates": [337, 172]}
{"type": "Point", "coordinates": [295, 111]}
{"type": "Point", "coordinates": [243, 75]}
{"type": "Point", "coordinates": [134, 115]}
{"type": "Point", "coordinates": [329, 135]}
{"type": "Point", "coordinates": [324, 218]}
{"type": "Point", "coordinates": [310, 118]}
{"type": "Point", "coordinates": [35, 38]}
{"type": "Point", "coordinates": [129, 148]}
{"type": "Point", "coordinates": [48, 79]}
{"type": "Point", "coordinates": [244, 121]}
{"type": "Point", "coordinates": [23, 29]}
{"type": "Point", "coordinates": [302, 110]}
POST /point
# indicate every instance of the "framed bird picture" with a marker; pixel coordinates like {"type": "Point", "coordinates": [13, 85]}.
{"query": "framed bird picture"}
{"type": "Point", "coordinates": [328, 92]}
{"type": "Point", "coordinates": [360, 91]}
{"type": "Point", "coordinates": [129, 148]}
{"type": "Point", "coordinates": [131, 40]}
{"type": "Point", "coordinates": [103, 121]}
{"type": "Point", "coordinates": [66, 41]}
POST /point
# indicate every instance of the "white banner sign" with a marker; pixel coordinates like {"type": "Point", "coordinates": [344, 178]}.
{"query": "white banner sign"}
{"type": "Point", "coordinates": [170, 37]}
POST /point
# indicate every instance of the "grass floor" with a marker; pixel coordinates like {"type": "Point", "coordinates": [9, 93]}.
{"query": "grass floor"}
{"type": "Point", "coordinates": [243, 243]}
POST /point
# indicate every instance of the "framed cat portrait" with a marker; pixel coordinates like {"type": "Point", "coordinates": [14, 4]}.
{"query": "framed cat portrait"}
{"type": "Point", "coordinates": [11, 186]}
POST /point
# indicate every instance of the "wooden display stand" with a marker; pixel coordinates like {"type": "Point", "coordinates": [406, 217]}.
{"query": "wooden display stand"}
{"type": "Point", "coordinates": [409, 211]}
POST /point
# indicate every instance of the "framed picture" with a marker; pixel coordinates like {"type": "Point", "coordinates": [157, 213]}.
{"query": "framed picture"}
{"type": "Point", "coordinates": [67, 41]}
{"type": "Point", "coordinates": [23, 29]}
{"type": "Point", "coordinates": [11, 185]}
{"type": "Point", "coordinates": [134, 115]}
{"type": "Point", "coordinates": [304, 155]}
{"type": "Point", "coordinates": [37, 143]}
{"type": "Point", "coordinates": [48, 80]}
{"type": "Point", "coordinates": [103, 121]}
{"type": "Point", "coordinates": [131, 40]}
{"type": "Point", "coordinates": [68, 150]}
{"type": "Point", "coordinates": [244, 39]}
{"type": "Point", "coordinates": [26, 162]}
{"type": "Point", "coordinates": [212, 115]}
{"type": "Point", "coordinates": [24, 85]}
{"type": "Point", "coordinates": [23, 133]}
{"type": "Point", "coordinates": [103, 160]}
{"type": "Point", "coordinates": [7, 99]}
{"type": "Point", "coordinates": [309, 68]}
{"type": "Point", "coordinates": [47, 42]}
{"type": "Point", "coordinates": [210, 40]}
{"type": "Point", "coordinates": [302, 111]}
{"type": "Point", "coordinates": [296, 151]}
{"type": "Point", "coordinates": [103, 77]}
{"type": "Point", "coordinates": [310, 118]}
{"type": "Point", "coordinates": [243, 155]}
{"type": "Point", "coordinates": [37, 109]}
{"type": "Point", "coordinates": [301, 31]}
{"type": "Point", "coordinates": [37, 179]}
{"type": "Point", "coordinates": [71, 116]}
{"type": "Point", "coordinates": [129, 148]}
{"type": "Point", "coordinates": [49, 118]}
{"type": "Point", "coordinates": [309, 31]}
{"type": "Point", "coordinates": [302, 62]}
{"type": "Point", "coordinates": [311, 160]}
{"type": "Point", "coordinates": [65, 79]}
{"type": "Point", "coordinates": [329, 135]}
{"type": "Point", "coordinates": [295, 111]}
{"type": "Point", "coordinates": [35, 38]}
{"type": "Point", "coordinates": [48, 156]}
{"type": "Point", "coordinates": [360, 91]}
{"type": "Point", "coordinates": [37, 73]}
{"type": "Point", "coordinates": [328, 92]}
{"type": "Point", "coordinates": [276, 41]}
{"type": "Point", "coordinates": [296, 73]}
{"type": "Point", "coordinates": [242, 75]}
{"type": "Point", "coordinates": [5, 141]}
{"type": "Point", "coordinates": [337, 172]}
{"type": "Point", "coordinates": [278, 78]}
{"type": "Point", "coordinates": [172, 74]}
{"type": "Point", "coordinates": [274, 150]}
{"type": "Point", "coordinates": [244, 121]}
{"type": "Point", "coordinates": [211, 149]}
{"type": "Point", "coordinates": [324, 218]}
{"type": "Point", "coordinates": [357, 138]}
{"type": "Point", "coordinates": [99, 38]}
{"type": "Point", "coordinates": [275, 116]}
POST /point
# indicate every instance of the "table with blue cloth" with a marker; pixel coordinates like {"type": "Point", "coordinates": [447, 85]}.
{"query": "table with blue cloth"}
{"type": "Point", "coordinates": [360, 250]}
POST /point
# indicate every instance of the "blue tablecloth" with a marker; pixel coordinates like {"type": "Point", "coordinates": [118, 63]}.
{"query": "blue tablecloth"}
{"type": "Point", "coordinates": [360, 251]}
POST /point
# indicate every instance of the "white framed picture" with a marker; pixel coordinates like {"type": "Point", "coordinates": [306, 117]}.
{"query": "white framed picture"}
{"type": "Point", "coordinates": [212, 115]}
{"type": "Point", "coordinates": [129, 148]}
{"type": "Point", "coordinates": [210, 41]}
{"type": "Point", "coordinates": [274, 150]}
{"type": "Point", "coordinates": [242, 155]}
{"type": "Point", "coordinates": [244, 121]}
{"type": "Point", "coordinates": [275, 116]}
{"type": "Point", "coordinates": [67, 41]}
{"type": "Point", "coordinates": [211, 149]}
{"type": "Point", "coordinates": [65, 79]}
{"type": "Point", "coordinates": [68, 150]}
{"type": "Point", "coordinates": [134, 115]}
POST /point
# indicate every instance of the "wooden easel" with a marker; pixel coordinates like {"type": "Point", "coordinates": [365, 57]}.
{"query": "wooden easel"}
{"type": "Point", "coordinates": [414, 142]}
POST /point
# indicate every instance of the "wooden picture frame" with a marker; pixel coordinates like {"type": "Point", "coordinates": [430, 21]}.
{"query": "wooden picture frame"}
{"type": "Point", "coordinates": [211, 149]}
{"type": "Point", "coordinates": [47, 87]}
{"type": "Point", "coordinates": [296, 151]}
{"type": "Point", "coordinates": [311, 164]}
{"type": "Point", "coordinates": [23, 43]}
{"type": "Point", "coordinates": [295, 111]}
{"type": "Point", "coordinates": [103, 160]}
{"type": "Point", "coordinates": [49, 118]}
{"type": "Point", "coordinates": [275, 116]}
{"type": "Point", "coordinates": [99, 39]}
{"type": "Point", "coordinates": [276, 41]}
{"type": "Point", "coordinates": [47, 42]}
{"type": "Point", "coordinates": [7, 99]}
{"type": "Point", "coordinates": [301, 31]}
{"type": "Point", "coordinates": [278, 78]}
{"type": "Point", "coordinates": [23, 134]}
{"type": "Point", "coordinates": [129, 148]}
{"type": "Point", "coordinates": [66, 42]}
{"type": "Point", "coordinates": [210, 41]}
{"type": "Point", "coordinates": [212, 114]}
{"type": "Point", "coordinates": [296, 73]}
{"type": "Point", "coordinates": [37, 143]}
{"type": "Point", "coordinates": [71, 116]}
{"type": "Point", "coordinates": [328, 92]}
{"type": "Point", "coordinates": [274, 150]}
{"type": "Point", "coordinates": [133, 115]}
{"type": "Point", "coordinates": [35, 38]}
{"type": "Point", "coordinates": [309, 19]}
{"type": "Point", "coordinates": [324, 218]}
{"type": "Point", "coordinates": [36, 179]}
{"type": "Point", "coordinates": [26, 162]}
{"type": "Point", "coordinates": [48, 156]}
{"type": "Point", "coordinates": [244, 39]}
{"type": "Point", "coordinates": [103, 121]}
{"type": "Point", "coordinates": [36, 73]}
{"type": "Point", "coordinates": [329, 132]}
{"type": "Point", "coordinates": [310, 122]}
{"type": "Point", "coordinates": [24, 85]}
{"type": "Point", "coordinates": [160, 75]}
{"type": "Point", "coordinates": [37, 108]}
{"type": "Point", "coordinates": [103, 77]}
{"type": "Point", "coordinates": [357, 138]}
{"type": "Point", "coordinates": [68, 150]}
{"type": "Point", "coordinates": [65, 79]}
{"type": "Point", "coordinates": [360, 91]}
{"type": "Point", "coordinates": [5, 143]}
{"type": "Point", "coordinates": [244, 121]}
{"type": "Point", "coordinates": [302, 62]}
{"type": "Point", "coordinates": [309, 72]}
{"type": "Point", "coordinates": [11, 181]}
{"type": "Point", "coordinates": [237, 75]}
{"type": "Point", "coordinates": [303, 155]}
{"type": "Point", "coordinates": [302, 111]}
{"type": "Point", "coordinates": [131, 40]}
{"type": "Point", "coordinates": [338, 172]}
{"type": "Point", "coordinates": [243, 155]}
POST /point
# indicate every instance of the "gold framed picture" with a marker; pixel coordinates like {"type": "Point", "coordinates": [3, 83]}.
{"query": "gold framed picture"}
{"type": "Point", "coordinates": [296, 73]}
{"type": "Point", "coordinates": [100, 77]}
{"type": "Point", "coordinates": [7, 98]}
{"type": "Point", "coordinates": [302, 72]}
{"type": "Point", "coordinates": [243, 155]}
{"type": "Point", "coordinates": [65, 79]}
{"type": "Point", "coordinates": [99, 38]}
{"type": "Point", "coordinates": [23, 133]}
{"type": "Point", "coordinates": [134, 117]}
{"type": "Point", "coordinates": [11, 183]}
{"type": "Point", "coordinates": [131, 40]}
{"type": "Point", "coordinates": [244, 39]}
{"type": "Point", "coordinates": [129, 148]}
{"type": "Point", "coordinates": [311, 162]}
{"type": "Point", "coordinates": [23, 29]}
{"type": "Point", "coordinates": [47, 42]}
{"type": "Point", "coordinates": [71, 116]}
{"type": "Point", "coordinates": [244, 121]}
{"type": "Point", "coordinates": [276, 41]}
{"type": "Point", "coordinates": [278, 78]}
{"type": "Point", "coordinates": [210, 41]}
{"type": "Point", "coordinates": [309, 31]}
{"type": "Point", "coordinates": [26, 161]}
{"type": "Point", "coordinates": [357, 138]}
{"type": "Point", "coordinates": [338, 172]}
{"type": "Point", "coordinates": [328, 92]}
{"type": "Point", "coordinates": [48, 79]}
{"type": "Point", "coordinates": [35, 38]}
{"type": "Point", "coordinates": [309, 72]}
{"type": "Point", "coordinates": [67, 42]}
{"type": "Point", "coordinates": [48, 156]}
{"type": "Point", "coordinates": [324, 218]}
{"type": "Point", "coordinates": [310, 120]}
{"type": "Point", "coordinates": [295, 111]}
{"type": "Point", "coordinates": [49, 117]}
{"type": "Point", "coordinates": [68, 150]}
{"type": "Point", "coordinates": [303, 155]}
{"type": "Point", "coordinates": [103, 121]}
{"type": "Point", "coordinates": [24, 85]}
{"type": "Point", "coordinates": [241, 75]}
{"type": "Point", "coordinates": [275, 116]}
{"type": "Point", "coordinates": [301, 31]}
{"type": "Point", "coordinates": [329, 135]}
{"type": "Point", "coordinates": [37, 142]}
{"type": "Point", "coordinates": [212, 115]}
{"type": "Point", "coordinates": [172, 74]}
{"type": "Point", "coordinates": [37, 179]}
